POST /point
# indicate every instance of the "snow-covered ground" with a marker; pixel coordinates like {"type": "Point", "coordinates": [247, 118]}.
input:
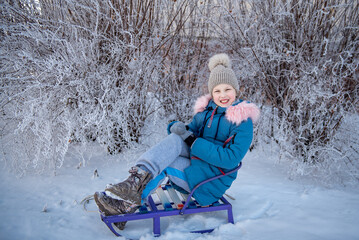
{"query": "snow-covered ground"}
{"type": "Point", "coordinates": [268, 205]}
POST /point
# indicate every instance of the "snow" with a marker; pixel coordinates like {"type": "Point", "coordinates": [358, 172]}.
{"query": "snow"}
{"type": "Point", "coordinates": [267, 205]}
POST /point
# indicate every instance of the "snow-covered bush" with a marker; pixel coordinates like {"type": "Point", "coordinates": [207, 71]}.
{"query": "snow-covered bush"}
{"type": "Point", "coordinates": [302, 59]}
{"type": "Point", "coordinates": [86, 70]}
{"type": "Point", "coordinates": [90, 70]}
{"type": "Point", "coordinates": [59, 86]}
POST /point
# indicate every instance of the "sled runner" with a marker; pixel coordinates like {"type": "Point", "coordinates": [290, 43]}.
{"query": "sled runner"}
{"type": "Point", "coordinates": [170, 204]}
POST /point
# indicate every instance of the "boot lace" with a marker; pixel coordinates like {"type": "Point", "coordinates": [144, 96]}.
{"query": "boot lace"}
{"type": "Point", "coordinates": [135, 176]}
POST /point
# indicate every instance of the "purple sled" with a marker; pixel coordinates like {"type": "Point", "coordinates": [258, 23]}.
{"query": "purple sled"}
{"type": "Point", "coordinates": [190, 207]}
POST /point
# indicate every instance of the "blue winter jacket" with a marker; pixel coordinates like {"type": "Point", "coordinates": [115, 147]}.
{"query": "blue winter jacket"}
{"type": "Point", "coordinates": [213, 125]}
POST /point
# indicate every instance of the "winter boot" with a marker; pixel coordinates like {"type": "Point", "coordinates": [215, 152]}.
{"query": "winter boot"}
{"type": "Point", "coordinates": [110, 206]}
{"type": "Point", "coordinates": [131, 189]}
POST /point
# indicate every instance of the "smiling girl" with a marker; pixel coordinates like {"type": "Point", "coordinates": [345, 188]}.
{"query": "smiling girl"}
{"type": "Point", "coordinates": [224, 95]}
{"type": "Point", "coordinates": [215, 142]}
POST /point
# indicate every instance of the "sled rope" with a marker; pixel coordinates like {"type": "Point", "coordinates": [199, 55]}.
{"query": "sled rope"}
{"type": "Point", "coordinates": [85, 201]}
{"type": "Point", "coordinates": [229, 196]}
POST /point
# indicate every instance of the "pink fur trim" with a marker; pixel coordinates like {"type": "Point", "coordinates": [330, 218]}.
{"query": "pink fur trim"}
{"type": "Point", "coordinates": [202, 103]}
{"type": "Point", "coordinates": [235, 114]}
{"type": "Point", "coordinates": [242, 111]}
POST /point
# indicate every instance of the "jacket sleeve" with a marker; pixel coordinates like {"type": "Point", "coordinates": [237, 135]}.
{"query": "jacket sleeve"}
{"type": "Point", "coordinates": [227, 157]}
{"type": "Point", "coordinates": [194, 125]}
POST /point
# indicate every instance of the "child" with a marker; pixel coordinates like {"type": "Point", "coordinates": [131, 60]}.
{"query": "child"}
{"type": "Point", "coordinates": [215, 141]}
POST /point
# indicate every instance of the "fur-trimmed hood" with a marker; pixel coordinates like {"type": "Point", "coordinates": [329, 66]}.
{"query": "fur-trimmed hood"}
{"type": "Point", "coordinates": [235, 113]}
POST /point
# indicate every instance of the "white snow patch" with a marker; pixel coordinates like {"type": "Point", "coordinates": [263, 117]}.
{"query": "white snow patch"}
{"type": "Point", "coordinates": [268, 205]}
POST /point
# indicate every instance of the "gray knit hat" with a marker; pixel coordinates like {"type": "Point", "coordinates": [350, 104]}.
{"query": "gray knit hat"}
{"type": "Point", "coordinates": [221, 72]}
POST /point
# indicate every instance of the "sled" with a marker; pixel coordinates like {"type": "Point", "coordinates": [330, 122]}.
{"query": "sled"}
{"type": "Point", "coordinates": [170, 204]}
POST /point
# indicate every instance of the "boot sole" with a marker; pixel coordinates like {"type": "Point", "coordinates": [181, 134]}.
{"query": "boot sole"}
{"type": "Point", "coordinates": [119, 225]}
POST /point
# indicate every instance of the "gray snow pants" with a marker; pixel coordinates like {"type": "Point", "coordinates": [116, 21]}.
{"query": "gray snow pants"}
{"type": "Point", "coordinates": [168, 158]}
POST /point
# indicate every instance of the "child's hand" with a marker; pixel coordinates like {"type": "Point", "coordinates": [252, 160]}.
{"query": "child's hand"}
{"type": "Point", "coordinates": [180, 129]}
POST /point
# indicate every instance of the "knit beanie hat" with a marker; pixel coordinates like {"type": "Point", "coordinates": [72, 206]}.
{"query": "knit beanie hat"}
{"type": "Point", "coordinates": [221, 72]}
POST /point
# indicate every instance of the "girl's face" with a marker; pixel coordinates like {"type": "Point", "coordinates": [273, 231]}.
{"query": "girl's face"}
{"type": "Point", "coordinates": [223, 95]}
